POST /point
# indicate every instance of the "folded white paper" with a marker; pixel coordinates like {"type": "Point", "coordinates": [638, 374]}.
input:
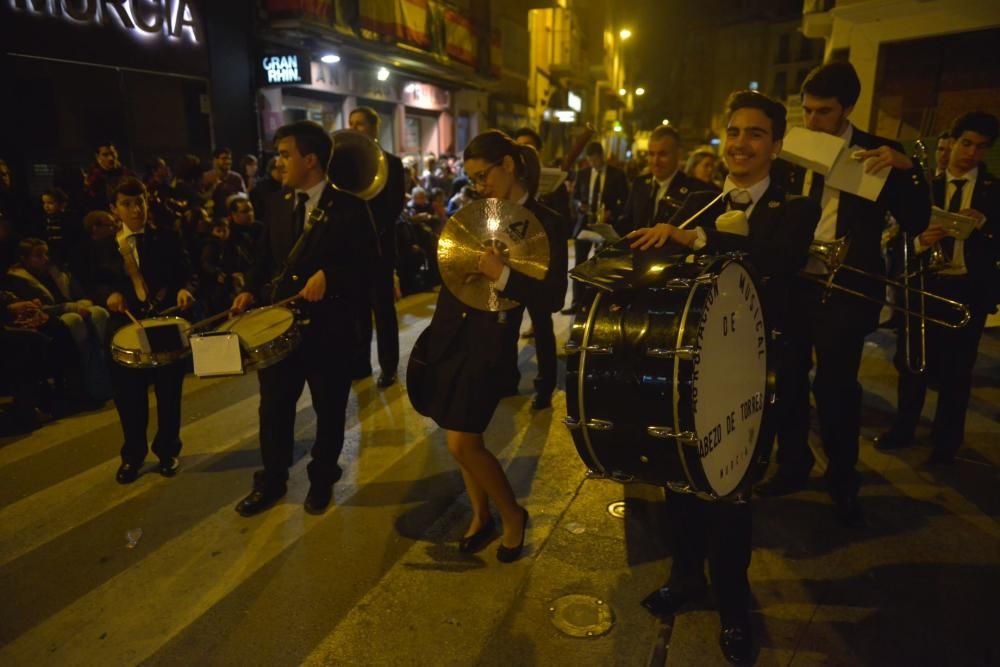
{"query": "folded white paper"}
{"type": "Point", "coordinates": [956, 225]}
{"type": "Point", "coordinates": [216, 353]}
{"type": "Point", "coordinates": [813, 150]}
{"type": "Point", "coordinates": [848, 175]}
{"type": "Point", "coordinates": [550, 179]}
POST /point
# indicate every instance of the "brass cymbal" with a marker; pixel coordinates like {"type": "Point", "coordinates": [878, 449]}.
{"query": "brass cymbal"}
{"type": "Point", "coordinates": [511, 228]}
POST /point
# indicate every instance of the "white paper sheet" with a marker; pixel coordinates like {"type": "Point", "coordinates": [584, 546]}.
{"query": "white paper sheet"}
{"type": "Point", "coordinates": [848, 175]}
{"type": "Point", "coordinates": [550, 179]}
{"type": "Point", "coordinates": [216, 353]}
{"type": "Point", "coordinates": [813, 150]}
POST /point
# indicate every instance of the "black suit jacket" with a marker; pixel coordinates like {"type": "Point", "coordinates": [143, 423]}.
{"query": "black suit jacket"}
{"type": "Point", "coordinates": [640, 207]}
{"type": "Point", "coordinates": [614, 195]}
{"type": "Point", "coordinates": [781, 227]}
{"type": "Point", "coordinates": [343, 245]}
{"type": "Point", "coordinates": [982, 248]}
{"type": "Point", "coordinates": [163, 262]}
{"type": "Point", "coordinates": [386, 208]}
{"type": "Point", "coordinates": [905, 196]}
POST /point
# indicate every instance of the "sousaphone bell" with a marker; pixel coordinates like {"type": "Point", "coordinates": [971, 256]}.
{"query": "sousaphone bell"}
{"type": "Point", "coordinates": [358, 164]}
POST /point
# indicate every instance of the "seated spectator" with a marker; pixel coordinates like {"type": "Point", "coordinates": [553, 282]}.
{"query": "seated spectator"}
{"type": "Point", "coordinates": [466, 195]}
{"type": "Point", "coordinates": [93, 263]}
{"type": "Point", "coordinates": [23, 361]}
{"type": "Point", "coordinates": [416, 244]}
{"type": "Point", "coordinates": [34, 277]}
{"type": "Point", "coordinates": [224, 263]}
{"type": "Point", "coordinates": [242, 221]}
{"type": "Point", "coordinates": [60, 228]}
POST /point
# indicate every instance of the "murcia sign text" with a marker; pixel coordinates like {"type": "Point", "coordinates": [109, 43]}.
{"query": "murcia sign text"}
{"type": "Point", "coordinates": [173, 19]}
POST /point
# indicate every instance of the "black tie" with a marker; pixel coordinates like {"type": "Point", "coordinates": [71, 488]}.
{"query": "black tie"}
{"type": "Point", "coordinates": [954, 206]}
{"type": "Point", "coordinates": [300, 213]}
{"type": "Point", "coordinates": [738, 200]}
{"type": "Point", "coordinates": [595, 195]}
{"type": "Point", "coordinates": [816, 188]}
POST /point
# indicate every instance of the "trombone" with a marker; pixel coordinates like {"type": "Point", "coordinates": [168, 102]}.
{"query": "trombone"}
{"type": "Point", "coordinates": [832, 254]}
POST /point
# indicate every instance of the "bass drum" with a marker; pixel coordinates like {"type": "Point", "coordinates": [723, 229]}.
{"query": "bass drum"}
{"type": "Point", "coordinates": [670, 385]}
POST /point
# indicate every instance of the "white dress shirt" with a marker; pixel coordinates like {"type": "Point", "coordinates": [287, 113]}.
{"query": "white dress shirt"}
{"type": "Point", "coordinates": [826, 229]}
{"type": "Point", "coordinates": [756, 191]}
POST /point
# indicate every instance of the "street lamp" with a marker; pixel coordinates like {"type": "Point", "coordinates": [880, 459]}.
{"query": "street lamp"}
{"type": "Point", "coordinates": [621, 92]}
{"type": "Point", "coordinates": [640, 91]}
{"type": "Point", "coordinates": [624, 33]}
{"type": "Point", "coordinates": [330, 58]}
{"type": "Point", "coordinates": [665, 122]}
{"type": "Point", "coordinates": [383, 74]}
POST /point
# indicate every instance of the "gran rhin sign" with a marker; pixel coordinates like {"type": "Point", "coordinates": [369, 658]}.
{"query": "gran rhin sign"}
{"type": "Point", "coordinates": [173, 19]}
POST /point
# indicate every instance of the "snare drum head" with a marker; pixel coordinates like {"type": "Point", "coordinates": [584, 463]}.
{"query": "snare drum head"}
{"type": "Point", "coordinates": [727, 376]}
{"type": "Point", "coordinates": [259, 327]}
{"type": "Point", "coordinates": [127, 338]}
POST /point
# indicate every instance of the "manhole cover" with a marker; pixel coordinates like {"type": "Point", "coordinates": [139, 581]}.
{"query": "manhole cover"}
{"type": "Point", "coordinates": [581, 616]}
{"type": "Point", "coordinates": [617, 509]}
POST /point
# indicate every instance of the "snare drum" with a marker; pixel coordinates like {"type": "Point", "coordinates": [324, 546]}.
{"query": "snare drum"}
{"type": "Point", "coordinates": [669, 385]}
{"type": "Point", "coordinates": [140, 346]}
{"type": "Point", "coordinates": [267, 335]}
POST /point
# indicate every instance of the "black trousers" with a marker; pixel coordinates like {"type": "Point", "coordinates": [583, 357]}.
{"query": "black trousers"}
{"type": "Point", "coordinates": [951, 356]}
{"type": "Point", "coordinates": [719, 532]}
{"type": "Point", "coordinates": [386, 324]}
{"type": "Point", "coordinates": [130, 388]}
{"type": "Point", "coordinates": [836, 332]}
{"type": "Point", "coordinates": [545, 350]}
{"type": "Point", "coordinates": [581, 251]}
{"type": "Point", "coordinates": [315, 363]}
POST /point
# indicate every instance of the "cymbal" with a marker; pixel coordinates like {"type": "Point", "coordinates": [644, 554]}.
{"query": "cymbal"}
{"type": "Point", "coordinates": [511, 228]}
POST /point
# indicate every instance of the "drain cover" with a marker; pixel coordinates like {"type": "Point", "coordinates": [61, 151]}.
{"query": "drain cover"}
{"type": "Point", "coordinates": [581, 616]}
{"type": "Point", "coordinates": [617, 509]}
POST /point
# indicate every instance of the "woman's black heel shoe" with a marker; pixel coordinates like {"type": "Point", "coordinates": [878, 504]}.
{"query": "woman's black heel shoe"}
{"type": "Point", "coordinates": [511, 554]}
{"type": "Point", "coordinates": [479, 539]}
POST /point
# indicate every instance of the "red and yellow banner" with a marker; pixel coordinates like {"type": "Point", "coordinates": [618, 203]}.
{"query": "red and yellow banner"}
{"type": "Point", "coordinates": [461, 43]}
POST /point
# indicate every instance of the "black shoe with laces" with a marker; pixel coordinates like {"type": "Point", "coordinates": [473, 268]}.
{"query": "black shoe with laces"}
{"type": "Point", "coordinates": [736, 642]}
{"type": "Point", "coordinates": [127, 472]}
{"type": "Point", "coordinates": [169, 466]}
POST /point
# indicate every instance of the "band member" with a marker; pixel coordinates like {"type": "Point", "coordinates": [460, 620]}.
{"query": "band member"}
{"type": "Point", "coordinates": [462, 363]}
{"type": "Point", "coordinates": [777, 233]}
{"type": "Point", "coordinates": [541, 319]}
{"type": "Point", "coordinates": [942, 152]}
{"type": "Point", "coordinates": [835, 324]}
{"type": "Point", "coordinates": [385, 208]}
{"type": "Point", "coordinates": [656, 196]}
{"type": "Point", "coordinates": [149, 272]}
{"type": "Point", "coordinates": [318, 244]}
{"type": "Point", "coordinates": [599, 187]}
{"type": "Point", "coordinates": [970, 277]}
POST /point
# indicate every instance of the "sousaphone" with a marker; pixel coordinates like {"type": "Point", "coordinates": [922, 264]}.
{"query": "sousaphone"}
{"type": "Point", "coordinates": [358, 164]}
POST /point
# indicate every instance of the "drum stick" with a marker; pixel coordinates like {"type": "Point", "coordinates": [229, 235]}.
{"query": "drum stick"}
{"type": "Point", "coordinates": [705, 208]}
{"type": "Point", "coordinates": [132, 317]}
{"type": "Point", "coordinates": [227, 313]}
{"type": "Point", "coordinates": [169, 311]}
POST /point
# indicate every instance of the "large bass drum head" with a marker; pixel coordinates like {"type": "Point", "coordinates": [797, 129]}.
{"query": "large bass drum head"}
{"type": "Point", "coordinates": [727, 377]}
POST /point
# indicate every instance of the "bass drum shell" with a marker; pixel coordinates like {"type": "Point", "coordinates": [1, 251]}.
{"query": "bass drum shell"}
{"type": "Point", "coordinates": [660, 389]}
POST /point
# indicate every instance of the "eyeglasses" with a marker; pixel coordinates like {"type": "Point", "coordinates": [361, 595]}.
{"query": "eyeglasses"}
{"type": "Point", "coordinates": [480, 178]}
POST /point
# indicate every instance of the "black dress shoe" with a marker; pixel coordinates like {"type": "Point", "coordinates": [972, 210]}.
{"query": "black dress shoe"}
{"type": "Point", "coordinates": [479, 539]}
{"type": "Point", "coordinates": [127, 473]}
{"type": "Point", "coordinates": [665, 602]}
{"type": "Point", "coordinates": [848, 510]}
{"type": "Point", "coordinates": [258, 501]}
{"type": "Point", "coordinates": [541, 401]}
{"type": "Point", "coordinates": [318, 498]}
{"type": "Point", "coordinates": [386, 380]}
{"type": "Point", "coordinates": [782, 484]}
{"type": "Point", "coordinates": [568, 311]}
{"type": "Point", "coordinates": [889, 441]}
{"type": "Point", "coordinates": [736, 642]}
{"type": "Point", "coordinates": [511, 554]}
{"type": "Point", "coordinates": [169, 467]}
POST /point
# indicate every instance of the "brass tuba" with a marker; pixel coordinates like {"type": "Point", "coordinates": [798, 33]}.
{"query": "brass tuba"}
{"type": "Point", "coordinates": [357, 165]}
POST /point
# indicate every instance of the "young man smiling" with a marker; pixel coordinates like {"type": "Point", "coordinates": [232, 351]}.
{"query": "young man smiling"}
{"type": "Point", "coordinates": [775, 234]}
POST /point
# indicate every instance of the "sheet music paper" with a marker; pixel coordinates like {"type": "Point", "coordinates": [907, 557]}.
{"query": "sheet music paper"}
{"type": "Point", "coordinates": [550, 179]}
{"type": "Point", "coordinates": [829, 155]}
{"type": "Point", "coordinates": [955, 224]}
{"type": "Point", "coordinates": [848, 175]}
{"type": "Point", "coordinates": [216, 353]}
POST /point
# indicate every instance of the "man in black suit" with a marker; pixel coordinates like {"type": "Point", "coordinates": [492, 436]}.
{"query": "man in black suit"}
{"type": "Point", "coordinates": [775, 230]}
{"type": "Point", "coordinates": [542, 329]}
{"type": "Point", "coordinates": [385, 209]}
{"type": "Point", "coordinates": [835, 326]}
{"type": "Point", "coordinates": [597, 185]}
{"type": "Point", "coordinates": [147, 270]}
{"type": "Point", "coordinates": [971, 277]}
{"type": "Point", "coordinates": [656, 196]}
{"type": "Point", "coordinates": [320, 245]}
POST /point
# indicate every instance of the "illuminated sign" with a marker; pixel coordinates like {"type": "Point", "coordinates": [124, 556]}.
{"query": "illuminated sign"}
{"type": "Point", "coordinates": [173, 19]}
{"type": "Point", "coordinates": [285, 68]}
{"type": "Point", "coordinates": [573, 101]}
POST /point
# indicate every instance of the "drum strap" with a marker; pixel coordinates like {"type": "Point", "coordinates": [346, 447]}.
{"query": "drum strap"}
{"type": "Point", "coordinates": [315, 216]}
{"type": "Point", "coordinates": [132, 268]}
